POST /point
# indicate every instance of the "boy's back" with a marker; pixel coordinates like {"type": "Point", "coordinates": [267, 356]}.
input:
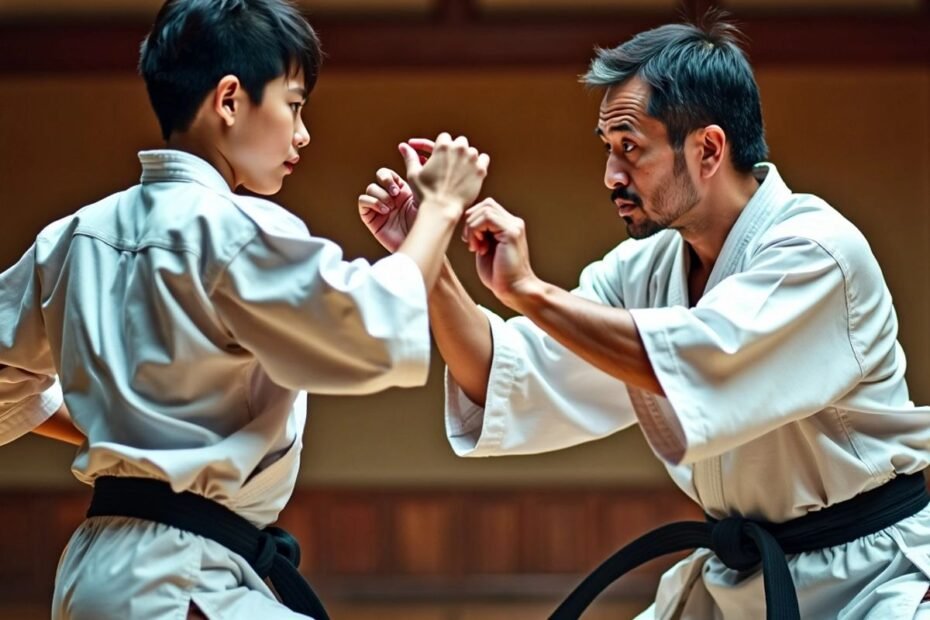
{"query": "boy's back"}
{"type": "Point", "coordinates": [184, 319]}
{"type": "Point", "coordinates": [181, 325]}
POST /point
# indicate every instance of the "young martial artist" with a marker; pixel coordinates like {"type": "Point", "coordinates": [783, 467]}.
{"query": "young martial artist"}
{"type": "Point", "coordinates": [181, 325]}
{"type": "Point", "coordinates": [745, 328]}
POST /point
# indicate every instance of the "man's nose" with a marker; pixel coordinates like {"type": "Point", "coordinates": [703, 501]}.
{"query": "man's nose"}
{"type": "Point", "coordinates": [614, 175]}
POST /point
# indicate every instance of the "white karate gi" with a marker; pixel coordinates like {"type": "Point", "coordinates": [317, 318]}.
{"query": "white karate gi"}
{"type": "Point", "coordinates": [184, 324]}
{"type": "Point", "coordinates": [785, 394]}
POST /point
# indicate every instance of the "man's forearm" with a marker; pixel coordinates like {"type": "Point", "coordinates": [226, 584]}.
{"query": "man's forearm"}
{"type": "Point", "coordinates": [604, 336]}
{"type": "Point", "coordinates": [462, 333]}
{"type": "Point", "coordinates": [429, 238]}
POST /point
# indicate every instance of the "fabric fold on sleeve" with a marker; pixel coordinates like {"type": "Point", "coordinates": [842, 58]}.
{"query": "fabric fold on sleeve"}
{"type": "Point", "coordinates": [761, 349]}
{"type": "Point", "coordinates": [541, 397]}
{"type": "Point", "coordinates": [322, 324]}
{"type": "Point", "coordinates": [29, 391]}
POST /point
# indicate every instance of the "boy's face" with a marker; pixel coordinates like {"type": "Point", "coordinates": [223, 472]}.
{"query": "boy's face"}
{"type": "Point", "coordinates": [264, 148]}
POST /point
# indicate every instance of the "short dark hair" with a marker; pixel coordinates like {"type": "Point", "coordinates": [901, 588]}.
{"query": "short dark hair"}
{"type": "Point", "coordinates": [194, 43]}
{"type": "Point", "coordinates": [698, 76]}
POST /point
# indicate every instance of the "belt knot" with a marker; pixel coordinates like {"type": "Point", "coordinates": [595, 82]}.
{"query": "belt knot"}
{"type": "Point", "coordinates": [275, 541]}
{"type": "Point", "coordinates": [733, 545]}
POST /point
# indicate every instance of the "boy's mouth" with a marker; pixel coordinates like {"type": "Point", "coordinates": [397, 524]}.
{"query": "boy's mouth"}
{"type": "Point", "coordinates": [291, 164]}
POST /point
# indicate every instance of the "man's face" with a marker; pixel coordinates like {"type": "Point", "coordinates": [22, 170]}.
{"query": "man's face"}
{"type": "Point", "coordinates": [649, 181]}
{"type": "Point", "coordinates": [269, 135]}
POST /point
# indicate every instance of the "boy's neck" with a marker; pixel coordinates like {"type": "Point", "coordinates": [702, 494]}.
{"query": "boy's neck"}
{"type": "Point", "coordinates": [205, 150]}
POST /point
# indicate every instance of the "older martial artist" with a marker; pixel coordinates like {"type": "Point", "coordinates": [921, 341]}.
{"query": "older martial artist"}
{"type": "Point", "coordinates": [746, 329]}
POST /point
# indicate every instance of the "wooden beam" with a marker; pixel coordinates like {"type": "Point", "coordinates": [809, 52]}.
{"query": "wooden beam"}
{"type": "Point", "coordinates": [456, 37]}
{"type": "Point", "coordinates": [694, 9]}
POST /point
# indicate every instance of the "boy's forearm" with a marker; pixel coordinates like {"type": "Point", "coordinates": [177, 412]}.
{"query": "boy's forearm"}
{"type": "Point", "coordinates": [462, 333]}
{"type": "Point", "coordinates": [429, 238]}
{"type": "Point", "coordinates": [60, 428]}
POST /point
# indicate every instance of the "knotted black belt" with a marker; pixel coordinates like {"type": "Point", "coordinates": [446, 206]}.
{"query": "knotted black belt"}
{"type": "Point", "coordinates": [272, 552]}
{"type": "Point", "coordinates": [741, 544]}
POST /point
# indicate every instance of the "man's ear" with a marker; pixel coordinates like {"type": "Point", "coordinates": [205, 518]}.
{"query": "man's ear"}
{"type": "Point", "coordinates": [227, 99]}
{"type": "Point", "coordinates": [713, 142]}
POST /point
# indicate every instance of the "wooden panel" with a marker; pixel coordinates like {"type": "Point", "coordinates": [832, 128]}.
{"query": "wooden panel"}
{"type": "Point", "coordinates": [395, 543]}
{"type": "Point", "coordinates": [623, 519]}
{"type": "Point", "coordinates": [34, 528]}
{"type": "Point", "coordinates": [576, 6]}
{"type": "Point", "coordinates": [783, 6]}
{"type": "Point", "coordinates": [148, 8]}
{"type": "Point", "coordinates": [492, 532]}
{"type": "Point", "coordinates": [356, 537]}
{"type": "Point", "coordinates": [465, 40]}
{"type": "Point", "coordinates": [426, 536]}
{"type": "Point", "coordinates": [301, 517]}
{"type": "Point", "coordinates": [560, 533]}
{"type": "Point", "coordinates": [85, 8]}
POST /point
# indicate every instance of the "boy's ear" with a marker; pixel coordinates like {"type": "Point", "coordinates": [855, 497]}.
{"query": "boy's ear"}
{"type": "Point", "coordinates": [226, 99]}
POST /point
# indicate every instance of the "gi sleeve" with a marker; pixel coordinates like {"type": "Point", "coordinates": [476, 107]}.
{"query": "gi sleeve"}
{"type": "Point", "coordinates": [29, 391]}
{"type": "Point", "coordinates": [541, 396]}
{"type": "Point", "coordinates": [763, 348]}
{"type": "Point", "coordinates": [318, 323]}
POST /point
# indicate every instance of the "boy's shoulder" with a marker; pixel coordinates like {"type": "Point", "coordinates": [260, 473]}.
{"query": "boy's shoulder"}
{"type": "Point", "coordinates": [269, 217]}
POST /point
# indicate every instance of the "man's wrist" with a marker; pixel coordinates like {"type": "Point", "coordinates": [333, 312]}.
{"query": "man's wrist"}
{"type": "Point", "coordinates": [529, 295]}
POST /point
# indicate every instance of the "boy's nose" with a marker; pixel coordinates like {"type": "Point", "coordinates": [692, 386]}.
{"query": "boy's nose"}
{"type": "Point", "coordinates": [301, 138]}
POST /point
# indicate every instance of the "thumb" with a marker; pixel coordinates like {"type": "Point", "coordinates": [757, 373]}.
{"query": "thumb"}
{"type": "Point", "coordinates": [411, 159]}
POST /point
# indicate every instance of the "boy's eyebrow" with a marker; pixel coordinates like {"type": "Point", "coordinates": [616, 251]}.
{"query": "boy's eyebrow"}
{"type": "Point", "coordinates": [299, 90]}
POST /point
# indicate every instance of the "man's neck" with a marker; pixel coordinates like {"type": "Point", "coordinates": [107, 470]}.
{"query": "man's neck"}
{"type": "Point", "coordinates": [712, 221]}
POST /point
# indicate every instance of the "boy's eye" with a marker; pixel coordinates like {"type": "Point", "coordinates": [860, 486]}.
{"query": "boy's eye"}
{"type": "Point", "coordinates": [296, 106]}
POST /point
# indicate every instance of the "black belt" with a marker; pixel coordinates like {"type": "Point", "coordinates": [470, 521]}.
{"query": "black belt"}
{"type": "Point", "coordinates": [741, 544]}
{"type": "Point", "coordinates": [272, 552]}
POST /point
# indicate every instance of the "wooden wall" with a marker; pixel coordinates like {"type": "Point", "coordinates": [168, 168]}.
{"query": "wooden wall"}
{"type": "Point", "coordinates": [384, 509]}
{"type": "Point", "coordinates": [401, 544]}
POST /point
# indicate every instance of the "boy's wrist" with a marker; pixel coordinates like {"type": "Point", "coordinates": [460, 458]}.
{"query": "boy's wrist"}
{"type": "Point", "coordinates": [445, 205]}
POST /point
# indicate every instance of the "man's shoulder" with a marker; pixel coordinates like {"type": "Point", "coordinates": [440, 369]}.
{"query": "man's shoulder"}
{"type": "Point", "coordinates": [810, 217]}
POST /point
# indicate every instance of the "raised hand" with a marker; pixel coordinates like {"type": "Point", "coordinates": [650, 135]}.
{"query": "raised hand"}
{"type": "Point", "coordinates": [451, 177]}
{"type": "Point", "coordinates": [388, 208]}
{"type": "Point", "coordinates": [498, 239]}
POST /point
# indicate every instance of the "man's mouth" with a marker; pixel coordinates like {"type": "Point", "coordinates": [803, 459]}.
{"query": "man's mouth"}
{"type": "Point", "coordinates": [625, 208]}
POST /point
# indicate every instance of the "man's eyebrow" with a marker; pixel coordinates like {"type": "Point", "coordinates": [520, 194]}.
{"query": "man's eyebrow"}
{"type": "Point", "coordinates": [621, 126]}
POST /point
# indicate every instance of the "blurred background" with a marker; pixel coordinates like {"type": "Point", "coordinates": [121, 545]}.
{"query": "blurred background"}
{"type": "Point", "coordinates": [392, 523]}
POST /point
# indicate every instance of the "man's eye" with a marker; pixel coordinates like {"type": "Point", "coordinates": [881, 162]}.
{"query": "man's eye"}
{"type": "Point", "coordinates": [628, 147]}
